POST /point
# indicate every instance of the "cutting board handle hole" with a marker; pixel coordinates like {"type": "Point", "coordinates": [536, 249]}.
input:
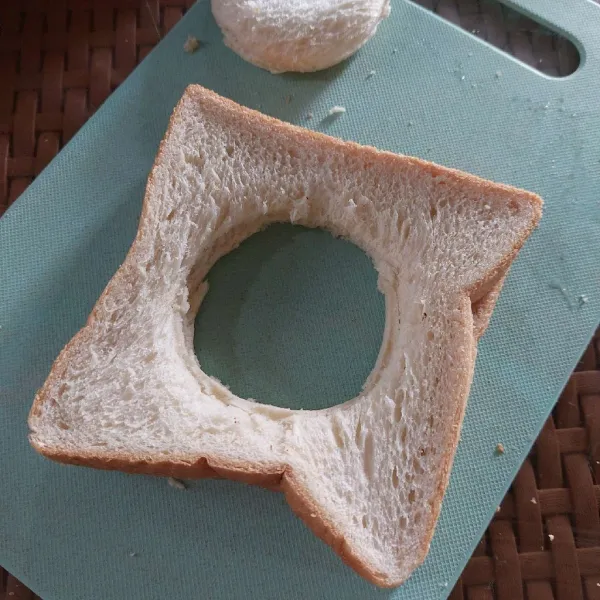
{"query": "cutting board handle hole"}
{"type": "Point", "coordinates": [520, 36]}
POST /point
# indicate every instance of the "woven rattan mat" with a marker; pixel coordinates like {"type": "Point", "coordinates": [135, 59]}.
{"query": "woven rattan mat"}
{"type": "Point", "coordinates": [60, 59]}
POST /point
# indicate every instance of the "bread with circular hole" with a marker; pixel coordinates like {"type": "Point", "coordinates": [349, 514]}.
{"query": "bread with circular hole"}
{"type": "Point", "coordinates": [368, 476]}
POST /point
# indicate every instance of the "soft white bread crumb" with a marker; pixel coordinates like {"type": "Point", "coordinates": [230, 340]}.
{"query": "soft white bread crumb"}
{"type": "Point", "coordinates": [303, 35]}
{"type": "Point", "coordinates": [368, 476]}
{"type": "Point", "coordinates": [337, 110]}
{"type": "Point", "coordinates": [191, 44]}
{"type": "Point", "coordinates": [176, 483]}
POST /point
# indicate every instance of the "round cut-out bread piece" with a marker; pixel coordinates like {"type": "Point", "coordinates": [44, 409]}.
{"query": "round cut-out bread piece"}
{"type": "Point", "coordinates": [306, 35]}
{"type": "Point", "coordinates": [368, 476]}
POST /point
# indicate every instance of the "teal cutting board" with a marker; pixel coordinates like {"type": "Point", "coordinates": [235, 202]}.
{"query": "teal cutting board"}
{"type": "Point", "coordinates": [293, 314]}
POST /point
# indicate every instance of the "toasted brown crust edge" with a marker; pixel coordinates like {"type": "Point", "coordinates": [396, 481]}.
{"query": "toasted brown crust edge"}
{"type": "Point", "coordinates": [482, 294]}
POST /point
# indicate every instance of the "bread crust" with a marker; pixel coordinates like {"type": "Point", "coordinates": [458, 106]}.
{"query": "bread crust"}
{"type": "Point", "coordinates": [475, 305]}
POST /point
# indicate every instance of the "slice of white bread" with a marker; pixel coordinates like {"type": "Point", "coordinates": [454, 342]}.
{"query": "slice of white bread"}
{"type": "Point", "coordinates": [303, 35]}
{"type": "Point", "coordinates": [368, 476]}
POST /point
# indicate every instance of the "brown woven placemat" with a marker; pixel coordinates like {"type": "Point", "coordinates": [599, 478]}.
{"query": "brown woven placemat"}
{"type": "Point", "coordinates": [59, 60]}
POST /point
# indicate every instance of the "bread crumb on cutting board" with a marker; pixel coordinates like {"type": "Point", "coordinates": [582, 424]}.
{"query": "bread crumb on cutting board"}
{"type": "Point", "coordinates": [337, 110]}
{"type": "Point", "coordinates": [176, 483]}
{"type": "Point", "coordinates": [191, 44]}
